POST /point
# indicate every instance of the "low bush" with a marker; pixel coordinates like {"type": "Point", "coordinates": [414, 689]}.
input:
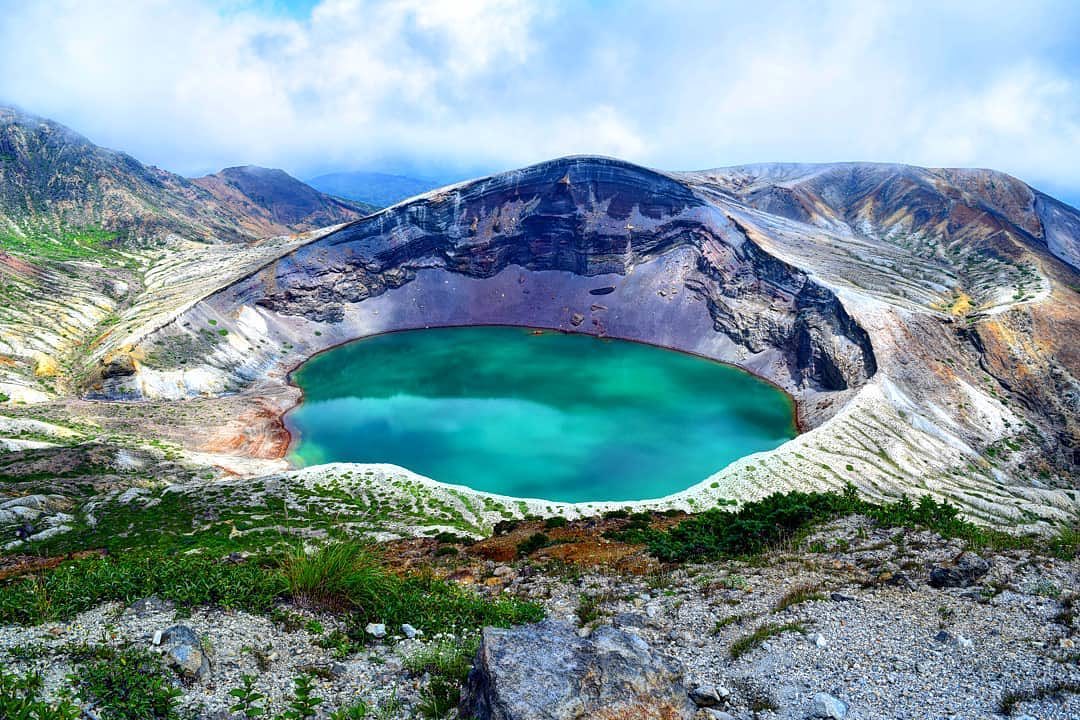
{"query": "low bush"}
{"type": "Point", "coordinates": [126, 685]}
{"type": "Point", "coordinates": [19, 700]}
{"type": "Point", "coordinates": [188, 580]}
{"type": "Point", "coordinates": [446, 664]}
{"type": "Point", "coordinates": [534, 542]}
{"type": "Point", "coordinates": [760, 525]}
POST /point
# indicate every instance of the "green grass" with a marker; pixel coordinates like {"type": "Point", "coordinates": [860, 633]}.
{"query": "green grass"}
{"type": "Point", "coordinates": [20, 700]}
{"type": "Point", "coordinates": [798, 594]}
{"type": "Point", "coordinates": [447, 665]}
{"type": "Point", "coordinates": [748, 642]}
{"type": "Point", "coordinates": [187, 580]}
{"type": "Point", "coordinates": [346, 575]}
{"type": "Point", "coordinates": [89, 243]}
{"type": "Point", "coordinates": [337, 576]}
{"type": "Point", "coordinates": [758, 526]}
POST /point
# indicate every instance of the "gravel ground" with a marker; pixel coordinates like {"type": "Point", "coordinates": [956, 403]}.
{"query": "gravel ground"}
{"type": "Point", "coordinates": [874, 634]}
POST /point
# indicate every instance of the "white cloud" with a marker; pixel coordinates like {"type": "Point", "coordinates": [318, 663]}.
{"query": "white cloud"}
{"type": "Point", "coordinates": [497, 83]}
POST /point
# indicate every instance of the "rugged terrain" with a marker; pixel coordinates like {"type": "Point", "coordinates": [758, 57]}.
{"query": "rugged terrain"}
{"type": "Point", "coordinates": [921, 320]}
{"type": "Point", "coordinates": [924, 321]}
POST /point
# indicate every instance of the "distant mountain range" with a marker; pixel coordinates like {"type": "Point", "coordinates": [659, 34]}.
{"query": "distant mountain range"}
{"type": "Point", "coordinates": [379, 189]}
{"type": "Point", "coordinates": [55, 183]}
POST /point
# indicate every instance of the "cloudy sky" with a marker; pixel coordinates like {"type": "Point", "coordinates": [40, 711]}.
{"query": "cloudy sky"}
{"type": "Point", "coordinates": [471, 86]}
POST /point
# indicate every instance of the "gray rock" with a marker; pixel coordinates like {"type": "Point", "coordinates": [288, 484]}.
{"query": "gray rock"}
{"type": "Point", "coordinates": [709, 695]}
{"type": "Point", "coordinates": [967, 569]}
{"type": "Point", "coordinates": [546, 672]}
{"type": "Point", "coordinates": [713, 714]}
{"type": "Point", "coordinates": [184, 653]}
{"type": "Point", "coordinates": [409, 631]}
{"type": "Point", "coordinates": [948, 638]}
{"type": "Point", "coordinates": [377, 630]}
{"type": "Point", "coordinates": [148, 606]}
{"type": "Point", "coordinates": [826, 706]}
{"type": "Point", "coordinates": [841, 597]}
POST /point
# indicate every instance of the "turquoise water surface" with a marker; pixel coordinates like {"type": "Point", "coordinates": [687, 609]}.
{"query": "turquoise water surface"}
{"type": "Point", "coordinates": [539, 415]}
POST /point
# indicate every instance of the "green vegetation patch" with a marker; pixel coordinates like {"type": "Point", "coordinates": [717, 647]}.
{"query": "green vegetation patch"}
{"type": "Point", "coordinates": [20, 699]}
{"type": "Point", "coordinates": [758, 526]}
{"type": "Point", "coordinates": [126, 684]}
{"type": "Point", "coordinates": [88, 243]}
{"type": "Point", "coordinates": [188, 580]}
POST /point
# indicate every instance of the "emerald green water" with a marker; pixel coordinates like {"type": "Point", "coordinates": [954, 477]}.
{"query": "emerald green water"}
{"type": "Point", "coordinates": [560, 417]}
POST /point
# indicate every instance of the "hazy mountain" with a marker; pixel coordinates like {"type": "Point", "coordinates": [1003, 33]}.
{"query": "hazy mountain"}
{"type": "Point", "coordinates": [58, 189]}
{"type": "Point", "coordinates": [380, 189]}
{"type": "Point", "coordinates": [275, 199]}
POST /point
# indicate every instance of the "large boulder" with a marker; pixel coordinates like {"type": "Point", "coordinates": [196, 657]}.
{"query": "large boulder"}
{"type": "Point", "coordinates": [547, 672]}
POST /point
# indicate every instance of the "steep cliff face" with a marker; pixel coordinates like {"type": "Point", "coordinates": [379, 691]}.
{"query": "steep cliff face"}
{"type": "Point", "coordinates": [588, 217]}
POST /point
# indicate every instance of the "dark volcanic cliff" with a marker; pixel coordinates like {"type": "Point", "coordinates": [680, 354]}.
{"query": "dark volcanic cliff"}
{"type": "Point", "coordinates": [889, 302]}
{"type": "Point", "coordinates": [588, 217]}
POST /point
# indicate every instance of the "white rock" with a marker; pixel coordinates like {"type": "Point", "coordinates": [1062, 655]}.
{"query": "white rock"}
{"type": "Point", "coordinates": [409, 631]}
{"type": "Point", "coordinates": [376, 630]}
{"type": "Point", "coordinates": [819, 640]}
{"type": "Point", "coordinates": [826, 706]}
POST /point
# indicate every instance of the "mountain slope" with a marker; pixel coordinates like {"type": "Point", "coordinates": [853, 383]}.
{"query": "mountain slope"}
{"type": "Point", "coordinates": [61, 196]}
{"type": "Point", "coordinates": [273, 202]}
{"type": "Point", "coordinates": [378, 189]}
{"type": "Point", "coordinates": [924, 329]}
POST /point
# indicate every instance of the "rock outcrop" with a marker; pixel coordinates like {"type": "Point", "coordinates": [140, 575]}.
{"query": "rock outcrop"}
{"type": "Point", "coordinates": [548, 672]}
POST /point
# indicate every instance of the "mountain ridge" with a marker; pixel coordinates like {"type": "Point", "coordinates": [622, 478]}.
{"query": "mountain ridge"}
{"type": "Point", "coordinates": [896, 304]}
{"type": "Point", "coordinates": [54, 180]}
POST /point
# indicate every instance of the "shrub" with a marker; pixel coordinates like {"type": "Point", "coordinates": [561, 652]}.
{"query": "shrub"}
{"type": "Point", "coordinates": [533, 543]}
{"type": "Point", "coordinates": [555, 522]}
{"type": "Point", "coordinates": [757, 526]}
{"type": "Point", "coordinates": [446, 664]}
{"type": "Point", "coordinates": [19, 700]}
{"type": "Point", "coordinates": [185, 579]}
{"type": "Point", "coordinates": [126, 685]}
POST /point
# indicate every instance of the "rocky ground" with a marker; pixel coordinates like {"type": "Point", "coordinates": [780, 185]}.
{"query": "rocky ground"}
{"type": "Point", "coordinates": [856, 621]}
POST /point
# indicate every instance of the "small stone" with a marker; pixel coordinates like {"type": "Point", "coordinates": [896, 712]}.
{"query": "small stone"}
{"type": "Point", "coordinates": [826, 706]}
{"type": "Point", "coordinates": [377, 630]}
{"type": "Point", "coordinates": [707, 696]}
{"type": "Point", "coordinates": [148, 605]}
{"type": "Point", "coordinates": [409, 631]}
{"type": "Point", "coordinates": [819, 640]}
{"type": "Point", "coordinates": [157, 638]}
{"type": "Point", "coordinates": [841, 597]}
{"type": "Point", "coordinates": [713, 714]}
{"type": "Point", "coordinates": [504, 571]}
